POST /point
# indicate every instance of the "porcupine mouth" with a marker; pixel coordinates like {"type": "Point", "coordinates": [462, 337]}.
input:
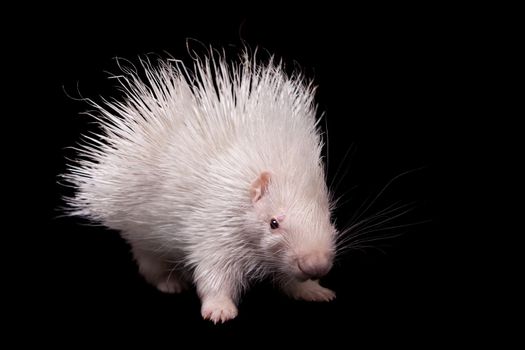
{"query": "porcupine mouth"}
{"type": "Point", "coordinates": [299, 274]}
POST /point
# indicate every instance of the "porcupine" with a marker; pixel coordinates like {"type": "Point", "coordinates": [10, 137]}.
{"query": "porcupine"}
{"type": "Point", "coordinates": [215, 177]}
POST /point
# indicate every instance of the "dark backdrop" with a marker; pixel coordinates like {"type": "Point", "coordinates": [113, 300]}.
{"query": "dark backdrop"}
{"type": "Point", "coordinates": [382, 76]}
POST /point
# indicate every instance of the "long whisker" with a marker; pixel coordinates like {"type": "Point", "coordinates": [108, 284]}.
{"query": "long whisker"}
{"type": "Point", "coordinates": [366, 230]}
{"type": "Point", "coordinates": [333, 189]}
{"type": "Point", "coordinates": [384, 212]}
{"type": "Point", "coordinates": [359, 215]}
{"type": "Point", "coordinates": [339, 202]}
{"type": "Point", "coordinates": [399, 226]}
{"type": "Point", "coordinates": [387, 219]}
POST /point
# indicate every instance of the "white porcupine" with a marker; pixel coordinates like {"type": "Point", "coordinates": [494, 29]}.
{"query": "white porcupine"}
{"type": "Point", "coordinates": [215, 177]}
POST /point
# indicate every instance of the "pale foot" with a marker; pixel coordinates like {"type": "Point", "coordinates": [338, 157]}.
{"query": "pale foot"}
{"type": "Point", "coordinates": [158, 273]}
{"type": "Point", "coordinates": [310, 291]}
{"type": "Point", "coordinates": [170, 286]}
{"type": "Point", "coordinates": [218, 309]}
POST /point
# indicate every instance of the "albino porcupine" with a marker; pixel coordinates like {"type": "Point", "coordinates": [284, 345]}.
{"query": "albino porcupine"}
{"type": "Point", "coordinates": [214, 175]}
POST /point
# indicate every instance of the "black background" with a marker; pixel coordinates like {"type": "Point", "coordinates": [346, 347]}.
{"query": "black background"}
{"type": "Point", "coordinates": [384, 81]}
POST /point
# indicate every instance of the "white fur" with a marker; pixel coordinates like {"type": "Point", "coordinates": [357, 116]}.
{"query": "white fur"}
{"type": "Point", "coordinates": [174, 167]}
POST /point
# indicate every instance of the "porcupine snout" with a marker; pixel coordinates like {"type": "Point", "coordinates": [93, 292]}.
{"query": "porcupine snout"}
{"type": "Point", "coordinates": [316, 264]}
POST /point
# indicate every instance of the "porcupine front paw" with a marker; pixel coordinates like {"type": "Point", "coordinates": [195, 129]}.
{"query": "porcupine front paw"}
{"type": "Point", "coordinates": [310, 291]}
{"type": "Point", "coordinates": [218, 309]}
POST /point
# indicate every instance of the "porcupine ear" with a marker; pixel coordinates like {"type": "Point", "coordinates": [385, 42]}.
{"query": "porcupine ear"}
{"type": "Point", "coordinates": [260, 186]}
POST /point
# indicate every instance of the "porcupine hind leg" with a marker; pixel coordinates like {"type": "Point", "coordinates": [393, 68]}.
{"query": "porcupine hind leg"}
{"type": "Point", "coordinates": [158, 272]}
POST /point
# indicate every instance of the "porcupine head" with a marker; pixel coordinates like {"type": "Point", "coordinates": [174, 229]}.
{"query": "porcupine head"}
{"type": "Point", "coordinates": [214, 175]}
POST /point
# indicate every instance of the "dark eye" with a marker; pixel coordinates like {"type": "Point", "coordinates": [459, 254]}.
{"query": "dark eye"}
{"type": "Point", "coordinates": [274, 224]}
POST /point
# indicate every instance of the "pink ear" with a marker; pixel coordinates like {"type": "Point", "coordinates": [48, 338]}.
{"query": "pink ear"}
{"type": "Point", "coordinates": [260, 186]}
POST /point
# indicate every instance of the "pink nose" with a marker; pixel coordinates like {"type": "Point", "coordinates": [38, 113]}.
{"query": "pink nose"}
{"type": "Point", "coordinates": [315, 265]}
